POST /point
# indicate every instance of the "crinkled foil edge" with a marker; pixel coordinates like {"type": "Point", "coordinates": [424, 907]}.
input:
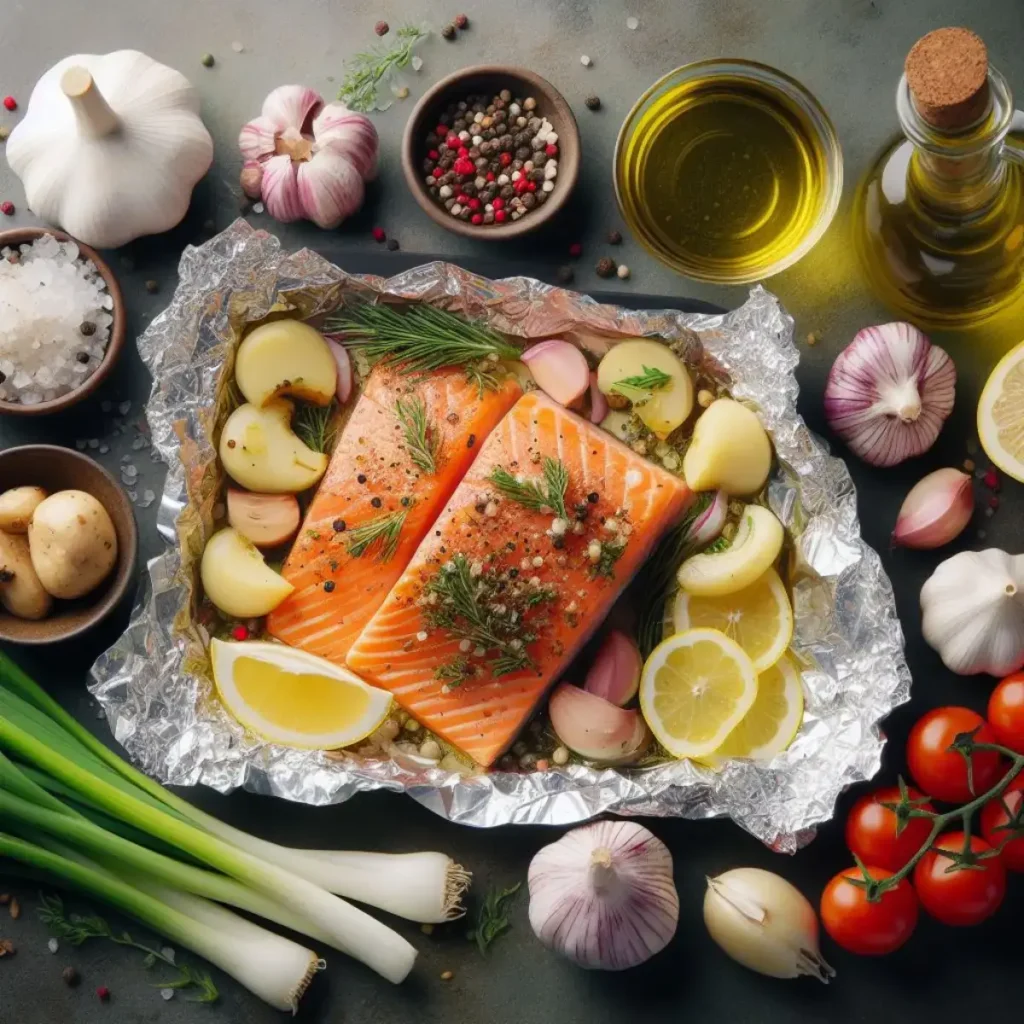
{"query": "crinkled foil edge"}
{"type": "Point", "coordinates": [847, 629]}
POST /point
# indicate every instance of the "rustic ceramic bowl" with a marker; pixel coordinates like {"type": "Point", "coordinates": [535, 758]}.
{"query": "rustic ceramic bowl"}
{"type": "Point", "coordinates": [22, 236]}
{"type": "Point", "coordinates": [60, 469]}
{"type": "Point", "coordinates": [491, 79]}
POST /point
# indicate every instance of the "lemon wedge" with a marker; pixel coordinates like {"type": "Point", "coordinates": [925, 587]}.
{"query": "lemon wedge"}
{"type": "Point", "coordinates": [695, 689]}
{"type": "Point", "coordinates": [1001, 414]}
{"type": "Point", "coordinates": [759, 618]}
{"type": "Point", "coordinates": [773, 721]}
{"type": "Point", "coordinates": [294, 698]}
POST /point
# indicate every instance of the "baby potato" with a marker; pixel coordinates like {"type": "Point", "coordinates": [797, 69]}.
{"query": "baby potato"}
{"type": "Point", "coordinates": [653, 378]}
{"type": "Point", "coordinates": [20, 590]}
{"type": "Point", "coordinates": [285, 357]}
{"type": "Point", "coordinates": [73, 543]}
{"type": "Point", "coordinates": [237, 580]}
{"type": "Point", "coordinates": [730, 451]}
{"type": "Point", "coordinates": [17, 506]}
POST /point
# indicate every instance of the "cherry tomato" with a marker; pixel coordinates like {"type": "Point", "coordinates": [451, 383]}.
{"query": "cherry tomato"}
{"type": "Point", "coordinates": [1006, 712]}
{"type": "Point", "coordinates": [941, 772]}
{"type": "Point", "coordinates": [871, 830]}
{"type": "Point", "coordinates": [863, 927]}
{"type": "Point", "coordinates": [963, 896]}
{"type": "Point", "coordinates": [993, 816]}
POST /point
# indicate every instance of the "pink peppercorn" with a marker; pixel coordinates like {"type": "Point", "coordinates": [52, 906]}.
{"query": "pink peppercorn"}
{"type": "Point", "coordinates": [438, 171]}
{"type": "Point", "coordinates": [477, 218]}
{"type": "Point", "coordinates": [7, 208]}
{"type": "Point", "coordinates": [240, 633]}
{"type": "Point", "coordinates": [10, 103]}
{"type": "Point", "coordinates": [474, 203]}
{"type": "Point", "coordinates": [490, 175]}
{"type": "Point", "coordinates": [433, 154]}
{"type": "Point", "coordinates": [531, 186]}
{"type": "Point", "coordinates": [103, 993]}
{"type": "Point", "coordinates": [462, 199]}
{"type": "Point", "coordinates": [576, 250]}
{"type": "Point", "coordinates": [520, 186]}
{"type": "Point", "coordinates": [464, 166]}
{"type": "Point", "coordinates": [499, 216]}
{"type": "Point", "coordinates": [498, 203]}
{"type": "Point", "coordinates": [442, 130]}
{"type": "Point", "coordinates": [543, 764]}
{"type": "Point", "coordinates": [551, 149]}
{"type": "Point", "coordinates": [453, 141]}
{"type": "Point", "coordinates": [379, 235]}
{"type": "Point", "coordinates": [505, 159]}
{"type": "Point", "coordinates": [991, 479]}
{"type": "Point", "coordinates": [993, 502]}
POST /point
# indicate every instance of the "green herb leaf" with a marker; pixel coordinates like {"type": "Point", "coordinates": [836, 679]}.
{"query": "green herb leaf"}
{"type": "Point", "coordinates": [365, 71]}
{"type": "Point", "coordinates": [638, 389]}
{"type": "Point", "coordinates": [315, 426]}
{"type": "Point", "coordinates": [421, 440]}
{"type": "Point", "coordinates": [492, 919]}
{"type": "Point", "coordinates": [611, 552]}
{"type": "Point", "coordinates": [383, 533]}
{"type": "Point", "coordinates": [550, 494]}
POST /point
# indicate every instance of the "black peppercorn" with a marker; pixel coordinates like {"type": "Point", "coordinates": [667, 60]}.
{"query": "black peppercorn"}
{"type": "Point", "coordinates": [565, 275]}
{"type": "Point", "coordinates": [329, 586]}
{"type": "Point", "coordinates": [87, 327]}
{"type": "Point", "coordinates": [448, 32]}
{"type": "Point", "coordinates": [70, 976]}
{"type": "Point", "coordinates": [339, 525]}
{"type": "Point", "coordinates": [361, 478]}
{"type": "Point", "coordinates": [614, 237]}
{"type": "Point", "coordinates": [376, 502]}
{"type": "Point", "coordinates": [152, 287]}
{"type": "Point", "coordinates": [506, 143]}
{"type": "Point", "coordinates": [432, 140]}
{"type": "Point", "coordinates": [513, 573]}
{"type": "Point", "coordinates": [392, 244]}
{"type": "Point", "coordinates": [507, 192]}
{"type": "Point", "coordinates": [82, 357]}
{"type": "Point", "coordinates": [605, 267]}
{"type": "Point", "coordinates": [459, 125]}
{"type": "Point", "coordinates": [593, 102]}
{"type": "Point", "coordinates": [593, 497]}
{"type": "Point", "coordinates": [582, 512]}
{"type": "Point", "coordinates": [529, 200]}
{"type": "Point", "coordinates": [558, 542]}
{"type": "Point", "coordinates": [471, 440]}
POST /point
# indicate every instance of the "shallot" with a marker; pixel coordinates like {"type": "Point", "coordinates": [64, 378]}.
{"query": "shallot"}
{"type": "Point", "coordinates": [603, 895]}
{"type": "Point", "coordinates": [935, 511]}
{"type": "Point", "coordinates": [764, 923]}
{"type": "Point", "coordinates": [560, 370]}
{"type": "Point", "coordinates": [615, 674]}
{"type": "Point", "coordinates": [598, 403]}
{"type": "Point", "coordinates": [889, 392]}
{"type": "Point", "coordinates": [341, 357]}
{"type": "Point", "coordinates": [596, 728]}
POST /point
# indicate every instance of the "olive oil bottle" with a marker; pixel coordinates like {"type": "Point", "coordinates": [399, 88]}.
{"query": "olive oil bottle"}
{"type": "Point", "coordinates": [728, 171]}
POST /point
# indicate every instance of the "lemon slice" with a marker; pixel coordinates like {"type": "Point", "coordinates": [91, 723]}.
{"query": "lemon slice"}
{"type": "Point", "coordinates": [1001, 414]}
{"type": "Point", "coordinates": [695, 689]}
{"type": "Point", "coordinates": [759, 618]}
{"type": "Point", "coordinates": [291, 697]}
{"type": "Point", "coordinates": [771, 724]}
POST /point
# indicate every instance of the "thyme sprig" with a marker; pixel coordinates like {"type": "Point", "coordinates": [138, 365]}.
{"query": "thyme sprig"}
{"type": "Point", "coordinates": [77, 929]}
{"type": "Point", "coordinates": [423, 338]}
{"type": "Point", "coordinates": [639, 387]}
{"type": "Point", "coordinates": [381, 533]}
{"type": "Point", "coordinates": [966, 859]}
{"type": "Point", "coordinates": [421, 440]}
{"type": "Point", "coordinates": [493, 917]}
{"type": "Point", "coordinates": [546, 495]}
{"type": "Point", "coordinates": [315, 426]}
{"type": "Point", "coordinates": [364, 72]}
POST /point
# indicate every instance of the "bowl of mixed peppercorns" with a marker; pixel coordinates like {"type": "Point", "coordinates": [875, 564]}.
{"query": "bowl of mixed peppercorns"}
{"type": "Point", "coordinates": [491, 152]}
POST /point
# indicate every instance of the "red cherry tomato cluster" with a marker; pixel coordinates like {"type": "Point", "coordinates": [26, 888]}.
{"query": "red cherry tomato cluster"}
{"type": "Point", "coordinates": [953, 893]}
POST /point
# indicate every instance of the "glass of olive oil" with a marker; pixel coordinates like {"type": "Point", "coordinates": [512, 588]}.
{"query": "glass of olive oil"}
{"type": "Point", "coordinates": [728, 171]}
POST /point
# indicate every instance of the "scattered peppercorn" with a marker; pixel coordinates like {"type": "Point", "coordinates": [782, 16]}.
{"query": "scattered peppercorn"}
{"type": "Point", "coordinates": [14, 908]}
{"type": "Point", "coordinates": [232, 443]}
{"type": "Point", "coordinates": [448, 31]}
{"type": "Point", "coordinates": [471, 440]}
{"type": "Point", "coordinates": [339, 525]}
{"type": "Point", "coordinates": [593, 102]}
{"type": "Point", "coordinates": [991, 479]}
{"type": "Point", "coordinates": [376, 502]}
{"type": "Point", "coordinates": [381, 28]}
{"type": "Point", "coordinates": [576, 250]}
{"type": "Point", "coordinates": [565, 274]}
{"type": "Point", "coordinates": [7, 208]}
{"type": "Point", "coordinates": [10, 103]}
{"type": "Point", "coordinates": [6, 948]}
{"type": "Point", "coordinates": [392, 244]}
{"type": "Point", "coordinates": [4, 132]}
{"type": "Point", "coordinates": [614, 237]}
{"type": "Point", "coordinates": [447, 975]}
{"type": "Point", "coordinates": [812, 338]}
{"type": "Point", "coordinates": [82, 357]}
{"type": "Point", "coordinates": [361, 478]}
{"type": "Point", "coordinates": [240, 632]}
{"type": "Point", "coordinates": [993, 502]}
{"type": "Point", "coordinates": [379, 235]}
{"type": "Point", "coordinates": [605, 267]}
{"type": "Point", "coordinates": [152, 287]}
{"type": "Point", "coordinates": [207, 60]}
{"type": "Point", "coordinates": [70, 976]}
{"type": "Point", "coordinates": [593, 497]}
{"type": "Point", "coordinates": [103, 993]}
{"type": "Point", "coordinates": [558, 542]}
{"type": "Point", "coordinates": [328, 586]}
{"type": "Point", "coordinates": [461, 22]}
{"type": "Point", "coordinates": [406, 501]}
{"type": "Point", "coordinates": [968, 465]}
{"type": "Point", "coordinates": [622, 271]}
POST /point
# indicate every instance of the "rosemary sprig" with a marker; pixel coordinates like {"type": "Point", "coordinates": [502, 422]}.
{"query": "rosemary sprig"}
{"type": "Point", "coordinates": [492, 919]}
{"type": "Point", "coordinates": [421, 440]}
{"type": "Point", "coordinates": [77, 929]}
{"type": "Point", "coordinates": [423, 339]}
{"type": "Point", "coordinates": [548, 494]}
{"type": "Point", "coordinates": [381, 533]}
{"type": "Point", "coordinates": [638, 388]}
{"type": "Point", "coordinates": [315, 426]}
{"type": "Point", "coordinates": [364, 72]}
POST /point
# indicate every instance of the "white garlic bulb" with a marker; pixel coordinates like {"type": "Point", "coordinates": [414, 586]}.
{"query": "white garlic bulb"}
{"type": "Point", "coordinates": [111, 147]}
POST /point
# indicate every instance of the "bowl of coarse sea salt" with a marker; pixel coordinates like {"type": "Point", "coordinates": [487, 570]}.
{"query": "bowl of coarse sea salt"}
{"type": "Point", "coordinates": [62, 322]}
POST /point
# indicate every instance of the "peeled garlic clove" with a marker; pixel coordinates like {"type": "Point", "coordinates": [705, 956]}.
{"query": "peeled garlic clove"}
{"type": "Point", "coordinates": [595, 728]}
{"type": "Point", "coordinates": [615, 674]}
{"type": "Point", "coordinates": [936, 510]}
{"type": "Point", "coordinates": [559, 369]}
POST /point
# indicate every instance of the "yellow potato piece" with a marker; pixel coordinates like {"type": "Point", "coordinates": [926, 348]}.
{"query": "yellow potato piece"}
{"type": "Point", "coordinates": [729, 451]}
{"type": "Point", "coordinates": [662, 409]}
{"type": "Point", "coordinates": [286, 357]}
{"type": "Point", "coordinates": [237, 580]}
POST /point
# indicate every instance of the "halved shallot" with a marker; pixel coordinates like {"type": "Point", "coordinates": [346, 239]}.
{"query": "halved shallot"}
{"type": "Point", "coordinates": [595, 728]}
{"type": "Point", "coordinates": [560, 370]}
{"type": "Point", "coordinates": [615, 673]}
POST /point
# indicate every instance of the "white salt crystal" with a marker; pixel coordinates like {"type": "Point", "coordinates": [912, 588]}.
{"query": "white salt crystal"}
{"type": "Point", "coordinates": [104, 448]}
{"type": "Point", "coordinates": [147, 499]}
{"type": "Point", "coordinates": [139, 443]}
{"type": "Point", "coordinates": [132, 495]}
{"type": "Point", "coordinates": [632, 24]}
{"type": "Point", "coordinates": [94, 442]}
{"type": "Point", "coordinates": [586, 61]}
{"type": "Point", "coordinates": [126, 458]}
{"type": "Point", "coordinates": [167, 953]}
{"type": "Point", "coordinates": [237, 46]}
{"type": "Point", "coordinates": [417, 63]}
{"type": "Point", "coordinates": [131, 471]}
{"type": "Point", "coordinates": [167, 994]}
{"type": "Point", "coordinates": [80, 444]}
{"type": "Point", "coordinates": [53, 945]}
{"type": "Point", "coordinates": [124, 408]}
{"type": "Point", "coordinates": [257, 207]}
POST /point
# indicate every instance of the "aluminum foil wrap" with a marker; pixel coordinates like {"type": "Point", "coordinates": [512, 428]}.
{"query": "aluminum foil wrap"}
{"type": "Point", "coordinates": [154, 683]}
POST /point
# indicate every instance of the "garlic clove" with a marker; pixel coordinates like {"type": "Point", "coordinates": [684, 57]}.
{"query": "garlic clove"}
{"type": "Point", "coordinates": [289, 106]}
{"type": "Point", "coordinates": [251, 179]}
{"type": "Point", "coordinates": [596, 728]}
{"type": "Point", "coordinates": [257, 139]}
{"type": "Point", "coordinates": [280, 189]}
{"type": "Point", "coordinates": [330, 189]}
{"type": "Point", "coordinates": [350, 135]}
{"type": "Point", "coordinates": [935, 511]}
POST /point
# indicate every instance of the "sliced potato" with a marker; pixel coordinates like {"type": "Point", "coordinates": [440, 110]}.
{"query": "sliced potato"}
{"type": "Point", "coordinates": [237, 580]}
{"type": "Point", "coordinates": [259, 450]}
{"type": "Point", "coordinates": [730, 451]}
{"type": "Point", "coordinates": [266, 519]}
{"type": "Point", "coordinates": [617, 424]}
{"type": "Point", "coordinates": [286, 357]}
{"type": "Point", "coordinates": [20, 590]}
{"type": "Point", "coordinates": [663, 408]}
{"type": "Point", "coordinates": [17, 506]}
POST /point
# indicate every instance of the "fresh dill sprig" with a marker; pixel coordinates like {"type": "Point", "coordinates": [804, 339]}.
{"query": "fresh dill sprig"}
{"type": "Point", "coordinates": [77, 929]}
{"type": "Point", "coordinates": [315, 426]}
{"type": "Point", "coordinates": [423, 339]}
{"type": "Point", "coordinates": [421, 440]}
{"type": "Point", "coordinates": [381, 533]}
{"type": "Point", "coordinates": [638, 388]}
{"type": "Point", "coordinates": [364, 72]}
{"type": "Point", "coordinates": [550, 494]}
{"type": "Point", "coordinates": [492, 919]}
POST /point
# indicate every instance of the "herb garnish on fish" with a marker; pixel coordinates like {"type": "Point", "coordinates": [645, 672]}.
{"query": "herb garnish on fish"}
{"type": "Point", "coordinates": [546, 495]}
{"type": "Point", "coordinates": [421, 440]}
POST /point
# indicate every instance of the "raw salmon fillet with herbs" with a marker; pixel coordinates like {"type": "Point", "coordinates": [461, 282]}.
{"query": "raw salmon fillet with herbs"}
{"type": "Point", "coordinates": [406, 446]}
{"type": "Point", "coordinates": [524, 563]}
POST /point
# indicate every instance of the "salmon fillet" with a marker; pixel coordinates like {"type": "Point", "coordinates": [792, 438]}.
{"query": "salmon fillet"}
{"type": "Point", "coordinates": [527, 583]}
{"type": "Point", "coordinates": [373, 479]}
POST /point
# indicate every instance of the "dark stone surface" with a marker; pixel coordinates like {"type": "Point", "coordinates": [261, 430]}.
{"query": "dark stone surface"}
{"type": "Point", "coordinates": [850, 53]}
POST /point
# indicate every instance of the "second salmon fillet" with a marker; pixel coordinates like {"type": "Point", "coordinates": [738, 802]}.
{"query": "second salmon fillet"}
{"type": "Point", "coordinates": [504, 589]}
{"type": "Point", "coordinates": [381, 492]}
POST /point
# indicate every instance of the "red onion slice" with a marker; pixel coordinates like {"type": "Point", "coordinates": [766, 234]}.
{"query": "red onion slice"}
{"type": "Point", "coordinates": [341, 357]}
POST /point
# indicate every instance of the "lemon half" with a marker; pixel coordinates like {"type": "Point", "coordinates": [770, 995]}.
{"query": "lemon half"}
{"type": "Point", "coordinates": [695, 689]}
{"type": "Point", "coordinates": [759, 618]}
{"type": "Point", "coordinates": [294, 698]}
{"type": "Point", "coordinates": [1001, 414]}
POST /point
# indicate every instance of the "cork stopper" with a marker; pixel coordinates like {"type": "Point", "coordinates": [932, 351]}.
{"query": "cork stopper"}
{"type": "Point", "coordinates": [947, 71]}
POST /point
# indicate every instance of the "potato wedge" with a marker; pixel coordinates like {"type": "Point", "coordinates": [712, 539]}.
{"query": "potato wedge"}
{"type": "Point", "coordinates": [237, 580]}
